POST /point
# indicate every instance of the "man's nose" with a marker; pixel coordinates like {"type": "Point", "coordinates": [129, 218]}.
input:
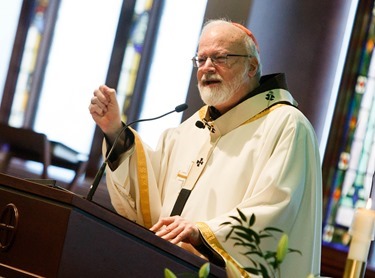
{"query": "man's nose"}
{"type": "Point", "coordinates": [208, 65]}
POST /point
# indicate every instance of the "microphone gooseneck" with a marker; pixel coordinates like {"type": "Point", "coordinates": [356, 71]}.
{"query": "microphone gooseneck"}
{"type": "Point", "coordinates": [99, 174]}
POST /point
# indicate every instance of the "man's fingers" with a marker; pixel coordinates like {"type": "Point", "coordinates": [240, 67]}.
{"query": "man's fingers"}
{"type": "Point", "coordinates": [107, 94]}
{"type": "Point", "coordinates": [97, 106]}
{"type": "Point", "coordinates": [157, 226]}
{"type": "Point", "coordinates": [176, 229]}
{"type": "Point", "coordinates": [95, 110]}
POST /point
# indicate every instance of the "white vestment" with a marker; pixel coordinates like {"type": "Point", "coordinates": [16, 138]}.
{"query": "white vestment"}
{"type": "Point", "coordinates": [266, 163]}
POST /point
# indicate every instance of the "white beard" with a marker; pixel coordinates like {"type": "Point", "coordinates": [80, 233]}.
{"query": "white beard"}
{"type": "Point", "coordinates": [222, 93]}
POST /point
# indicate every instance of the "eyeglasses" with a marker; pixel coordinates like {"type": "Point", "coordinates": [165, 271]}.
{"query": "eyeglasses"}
{"type": "Point", "coordinates": [216, 60]}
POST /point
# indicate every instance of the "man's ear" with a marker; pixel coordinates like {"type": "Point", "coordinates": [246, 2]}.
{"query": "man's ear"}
{"type": "Point", "coordinates": [253, 66]}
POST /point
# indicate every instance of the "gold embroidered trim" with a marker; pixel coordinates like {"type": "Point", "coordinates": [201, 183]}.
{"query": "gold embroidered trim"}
{"type": "Point", "coordinates": [211, 239]}
{"type": "Point", "coordinates": [203, 112]}
{"type": "Point", "coordinates": [143, 182]}
{"type": "Point", "coordinates": [264, 112]}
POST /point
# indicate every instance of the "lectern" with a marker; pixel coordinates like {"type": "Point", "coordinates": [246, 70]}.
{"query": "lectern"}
{"type": "Point", "coordinates": [48, 232]}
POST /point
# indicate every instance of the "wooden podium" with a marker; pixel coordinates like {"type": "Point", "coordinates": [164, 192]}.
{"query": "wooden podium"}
{"type": "Point", "coordinates": [48, 232]}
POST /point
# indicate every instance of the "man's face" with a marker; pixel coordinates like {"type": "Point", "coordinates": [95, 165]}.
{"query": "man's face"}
{"type": "Point", "coordinates": [224, 84]}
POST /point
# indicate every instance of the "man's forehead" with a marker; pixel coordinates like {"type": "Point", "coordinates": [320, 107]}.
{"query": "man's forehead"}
{"type": "Point", "coordinates": [230, 31]}
{"type": "Point", "coordinates": [220, 41]}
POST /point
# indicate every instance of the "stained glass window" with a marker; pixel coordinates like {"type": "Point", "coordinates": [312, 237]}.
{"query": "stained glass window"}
{"type": "Point", "coordinates": [9, 13]}
{"type": "Point", "coordinates": [353, 174]}
{"type": "Point", "coordinates": [28, 64]}
{"type": "Point", "coordinates": [77, 61]}
{"type": "Point", "coordinates": [133, 53]}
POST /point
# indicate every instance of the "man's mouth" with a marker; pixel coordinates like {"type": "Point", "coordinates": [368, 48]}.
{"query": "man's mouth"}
{"type": "Point", "coordinates": [210, 82]}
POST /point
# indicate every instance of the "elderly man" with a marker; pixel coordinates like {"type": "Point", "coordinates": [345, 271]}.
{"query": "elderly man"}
{"type": "Point", "coordinates": [249, 148]}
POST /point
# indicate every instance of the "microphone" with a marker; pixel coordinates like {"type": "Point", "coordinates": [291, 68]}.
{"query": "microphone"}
{"type": "Point", "coordinates": [99, 174]}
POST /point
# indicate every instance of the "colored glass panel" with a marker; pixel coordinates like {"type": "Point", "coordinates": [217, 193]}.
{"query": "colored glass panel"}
{"type": "Point", "coordinates": [133, 53]}
{"type": "Point", "coordinates": [353, 176]}
{"type": "Point", "coordinates": [30, 55]}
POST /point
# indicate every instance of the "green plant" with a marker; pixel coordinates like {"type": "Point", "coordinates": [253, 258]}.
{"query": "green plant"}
{"type": "Point", "coordinates": [264, 263]}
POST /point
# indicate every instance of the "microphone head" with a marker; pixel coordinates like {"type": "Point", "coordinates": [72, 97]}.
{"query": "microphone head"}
{"type": "Point", "coordinates": [181, 107]}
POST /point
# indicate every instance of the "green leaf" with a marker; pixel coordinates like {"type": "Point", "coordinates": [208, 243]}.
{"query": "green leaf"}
{"type": "Point", "coordinates": [270, 254]}
{"type": "Point", "coordinates": [275, 264]}
{"type": "Point", "coordinates": [169, 274]}
{"type": "Point", "coordinates": [246, 234]}
{"type": "Point", "coordinates": [239, 239]}
{"type": "Point", "coordinates": [246, 245]}
{"type": "Point", "coordinates": [252, 270]}
{"type": "Point", "coordinates": [294, 251]}
{"type": "Point", "coordinates": [249, 235]}
{"type": "Point", "coordinates": [204, 271]}
{"type": "Point", "coordinates": [254, 253]}
{"type": "Point", "coordinates": [264, 271]}
{"type": "Point", "coordinates": [252, 220]}
{"type": "Point", "coordinates": [255, 263]}
{"type": "Point", "coordinates": [236, 218]}
{"type": "Point", "coordinates": [229, 234]}
{"type": "Point", "coordinates": [243, 216]}
{"type": "Point", "coordinates": [273, 229]}
{"type": "Point", "coordinates": [265, 236]}
{"type": "Point", "coordinates": [239, 227]}
{"type": "Point", "coordinates": [250, 246]}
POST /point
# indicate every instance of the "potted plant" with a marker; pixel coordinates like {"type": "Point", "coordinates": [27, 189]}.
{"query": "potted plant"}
{"type": "Point", "coordinates": [265, 263]}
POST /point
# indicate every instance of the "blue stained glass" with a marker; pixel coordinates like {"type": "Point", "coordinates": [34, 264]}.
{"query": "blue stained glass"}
{"type": "Point", "coordinates": [353, 175]}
